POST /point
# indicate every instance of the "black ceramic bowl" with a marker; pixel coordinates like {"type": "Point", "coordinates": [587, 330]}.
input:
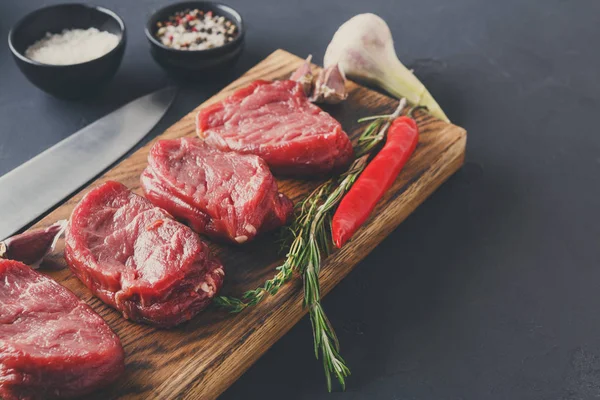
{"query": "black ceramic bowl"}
{"type": "Point", "coordinates": [190, 63]}
{"type": "Point", "coordinates": [75, 80]}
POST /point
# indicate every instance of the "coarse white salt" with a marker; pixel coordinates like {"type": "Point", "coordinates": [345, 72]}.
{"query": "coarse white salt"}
{"type": "Point", "coordinates": [72, 46]}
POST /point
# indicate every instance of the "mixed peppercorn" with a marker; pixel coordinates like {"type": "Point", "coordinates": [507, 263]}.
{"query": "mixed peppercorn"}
{"type": "Point", "coordinates": [195, 30]}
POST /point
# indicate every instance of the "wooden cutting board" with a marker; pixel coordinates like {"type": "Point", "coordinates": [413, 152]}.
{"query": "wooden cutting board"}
{"type": "Point", "coordinates": [200, 359]}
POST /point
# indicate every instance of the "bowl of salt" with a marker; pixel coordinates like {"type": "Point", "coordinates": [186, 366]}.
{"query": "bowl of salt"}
{"type": "Point", "coordinates": [69, 50]}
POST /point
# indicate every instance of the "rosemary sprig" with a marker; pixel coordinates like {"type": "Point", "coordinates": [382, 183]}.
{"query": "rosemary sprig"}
{"type": "Point", "coordinates": [318, 244]}
{"type": "Point", "coordinates": [309, 241]}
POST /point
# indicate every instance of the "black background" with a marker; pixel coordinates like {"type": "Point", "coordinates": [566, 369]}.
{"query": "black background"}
{"type": "Point", "coordinates": [490, 290]}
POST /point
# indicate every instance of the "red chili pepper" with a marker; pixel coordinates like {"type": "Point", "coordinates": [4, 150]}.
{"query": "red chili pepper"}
{"type": "Point", "coordinates": [375, 180]}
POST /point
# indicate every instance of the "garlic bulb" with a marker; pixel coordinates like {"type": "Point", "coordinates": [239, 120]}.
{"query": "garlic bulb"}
{"type": "Point", "coordinates": [364, 49]}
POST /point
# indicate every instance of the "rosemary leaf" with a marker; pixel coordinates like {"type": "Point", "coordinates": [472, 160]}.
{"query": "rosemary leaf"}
{"type": "Point", "coordinates": [374, 117]}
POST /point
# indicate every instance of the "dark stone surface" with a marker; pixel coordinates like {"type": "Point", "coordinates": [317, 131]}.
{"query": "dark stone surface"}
{"type": "Point", "coordinates": [490, 289]}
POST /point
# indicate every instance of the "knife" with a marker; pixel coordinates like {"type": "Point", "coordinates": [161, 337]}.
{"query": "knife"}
{"type": "Point", "coordinates": [33, 188]}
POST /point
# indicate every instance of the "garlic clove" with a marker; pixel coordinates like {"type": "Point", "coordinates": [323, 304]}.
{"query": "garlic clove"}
{"type": "Point", "coordinates": [33, 246]}
{"type": "Point", "coordinates": [330, 86]}
{"type": "Point", "coordinates": [304, 76]}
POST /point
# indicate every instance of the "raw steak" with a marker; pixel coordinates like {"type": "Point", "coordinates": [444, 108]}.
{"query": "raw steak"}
{"type": "Point", "coordinates": [276, 121]}
{"type": "Point", "coordinates": [51, 344]}
{"type": "Point", "coordinates": [139, 260]}
{"type": "Point", "coordinates": [221, 194]}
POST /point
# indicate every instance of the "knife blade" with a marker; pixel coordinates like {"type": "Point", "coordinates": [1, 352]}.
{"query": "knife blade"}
{"type": "Point", "coordinates": [33, 188]}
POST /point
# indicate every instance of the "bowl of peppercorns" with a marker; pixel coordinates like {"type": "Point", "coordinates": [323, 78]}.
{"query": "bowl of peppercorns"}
{"type": "Point", "coordinates": [195, 36]}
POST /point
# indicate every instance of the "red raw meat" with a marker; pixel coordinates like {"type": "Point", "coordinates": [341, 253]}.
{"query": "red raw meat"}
{"type": "Point", "coordinates": [276, 121]}
{"type": "Point", "coordinates": [136, 258]}
{"type": "Point", "coordinates": [52, 345]}
{"type": "Point", "coordinates": [221, 194]}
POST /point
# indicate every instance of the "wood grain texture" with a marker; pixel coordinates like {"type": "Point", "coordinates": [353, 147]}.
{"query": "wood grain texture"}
{"type": "Point", "coordinates": [200, 359]}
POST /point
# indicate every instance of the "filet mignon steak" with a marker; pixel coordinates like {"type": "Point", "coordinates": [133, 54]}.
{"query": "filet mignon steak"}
{"type": "Point", "coordinates": [136, 258]}
{"type": "Point", "coordinates": [221, 194]}
{"type": "Point", "coordinates": [276, 121]}
{"type": "Point", "coordinates": [52, 345]}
